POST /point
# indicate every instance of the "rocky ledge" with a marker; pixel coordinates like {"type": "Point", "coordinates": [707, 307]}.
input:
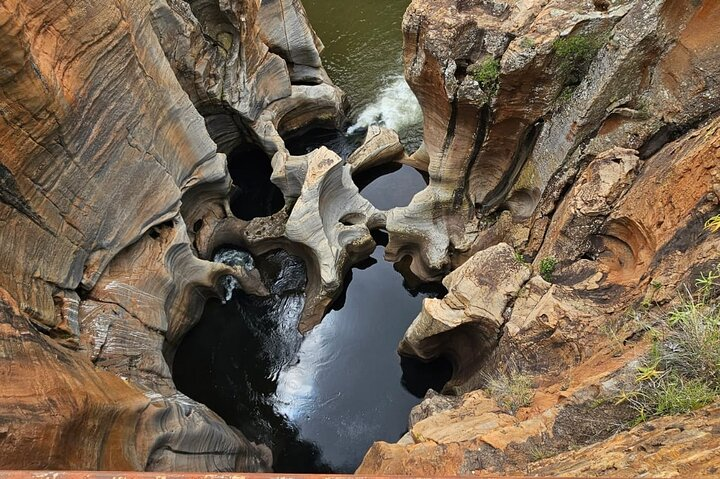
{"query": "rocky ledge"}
{"type": "Point", "coordinates": [116, 118]}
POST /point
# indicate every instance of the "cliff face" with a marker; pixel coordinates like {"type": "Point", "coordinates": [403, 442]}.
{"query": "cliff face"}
{"type": "Point", "coordinates": [110, 116]}
{"type": "Point", "coordinates": [515, 94]}
{"type": "Point", "coordinates": [584, 137]}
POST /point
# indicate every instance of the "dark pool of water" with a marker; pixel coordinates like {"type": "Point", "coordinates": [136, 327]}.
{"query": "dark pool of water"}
{"type": "Point", "coordinates": [253, 193]}
{"type": "Point", "coordinates": [334, 140]}
{"type": "Point", "coordinates": [321, 401]}
{"type": "Point", "coordinates": [349, 388]}
{"type": "Point", "coordinates": [390, 186]}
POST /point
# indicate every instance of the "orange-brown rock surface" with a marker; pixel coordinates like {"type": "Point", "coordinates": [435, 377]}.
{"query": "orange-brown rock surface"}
{"type": "Point", "coordinates": [610, 167]}
{"type": "Point", "coordinates": [501, 149]}
{"type": "Point", "coordinates": [582, 131]}
{"type": "Point", "coordinates": [114, 117]}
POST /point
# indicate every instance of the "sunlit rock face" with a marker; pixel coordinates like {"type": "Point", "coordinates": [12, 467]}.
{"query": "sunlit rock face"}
{"type": "Point", "coordinates": [112, 118]}
{"type": "Point", "coordinates": [582, 131]}
{"type": "Point", "coordinates": [516, 94]}
{"type": "Point", "coordinates": [600, 173]}
{"type": "Point", "coordinates": [464, 325]}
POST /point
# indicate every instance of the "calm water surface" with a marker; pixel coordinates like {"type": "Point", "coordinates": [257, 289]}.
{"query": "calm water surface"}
{"type": "Point", "coordinates": [322, 400]}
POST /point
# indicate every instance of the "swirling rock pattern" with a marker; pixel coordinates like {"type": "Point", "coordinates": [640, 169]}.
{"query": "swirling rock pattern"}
{"type": "Point", "coordinates": [641, 239]}
{"type": "Point", "coordinates": [111, 118]}
{"type": "Point", "coordinates": [115, 118]}
{"type": "Point", "coordinates": [508, 115]}
{"type": "Point", "coordinates": [605, 166]}
{"type": "Point", "coordinates": [465, 324]}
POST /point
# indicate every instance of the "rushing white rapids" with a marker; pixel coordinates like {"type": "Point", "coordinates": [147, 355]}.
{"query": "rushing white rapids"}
{"type": "Point", "coordinates": [395, 107]}
{"type": "Point", "coordinates": [233, 257]}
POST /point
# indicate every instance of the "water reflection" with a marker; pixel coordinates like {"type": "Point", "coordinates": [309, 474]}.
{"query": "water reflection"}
{"type": "Point", "coordinates": [390, 186]}
{"type": "Point", "coordinates": [321, 401]}
{"type": "Point", "coordinates": [346, 390]}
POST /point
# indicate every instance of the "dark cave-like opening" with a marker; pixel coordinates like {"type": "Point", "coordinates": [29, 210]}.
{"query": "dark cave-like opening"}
{"type": "Point", "coordinates": [253, 195]}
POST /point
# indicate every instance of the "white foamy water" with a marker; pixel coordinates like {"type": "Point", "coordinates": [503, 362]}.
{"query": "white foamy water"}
{"type": "Point", "coordinates": [233, 258]}
{"type": "Point", "coordinates": [395, 107]}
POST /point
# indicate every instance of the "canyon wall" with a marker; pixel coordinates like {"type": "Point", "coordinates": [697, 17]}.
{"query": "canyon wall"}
{"type": "Point", "coordinates": [115, 118]}
{"type": "Point", "coordinates": [573, 153]}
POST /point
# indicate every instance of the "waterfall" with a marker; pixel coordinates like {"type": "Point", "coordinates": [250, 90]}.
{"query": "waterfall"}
{"type": "Point", "coordinates": [234, 258]}
{"type": "Point", "coordinates": [395, 107]}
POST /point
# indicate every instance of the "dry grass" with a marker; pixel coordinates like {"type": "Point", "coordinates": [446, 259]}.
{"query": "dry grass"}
{"type": "Point", "coordinates": [510, 390]}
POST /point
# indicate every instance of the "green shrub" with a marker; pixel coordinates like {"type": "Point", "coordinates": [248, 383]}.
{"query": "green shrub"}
{"type": "Point", "coordinates": [708, 284]}
{"type": "Point", "coordinates": [547, 268]}
{"type": "Point", "coordinates": [692, 346]}
{"type": "Point", "coordinates": [511, 390]}
{"type": "Point", "coordinates": [682, 371]}
{"type": "Point", "coordinates": [576, 52]}
{"type": "Point", "coordinates": [566, 94]}
{"type": "Point", "coordinates": [487, 75]}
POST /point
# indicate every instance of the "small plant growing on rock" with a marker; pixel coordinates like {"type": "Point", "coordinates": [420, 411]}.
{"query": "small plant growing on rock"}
{"type": "Point", "coordinates": [487, 75]}
{"type": "Point", "coordinates": [575, 53]}
{"type": "Point", "coordinates": [538, 453]}
{"type": "Point", "coordinates": [527, 43]}
{"type": "Point", "coordinates": [547, 268]}
{"type": "Point", "coordinates": [682, 371]}
{"type": "Point", "coordinates": [511, 390]}
{"type": "Point", "coordinates": [612, 330]}
{"type": "Point", "coordinates": [566, 94]}
{"type": "Point", "coordinates": [713, 224]}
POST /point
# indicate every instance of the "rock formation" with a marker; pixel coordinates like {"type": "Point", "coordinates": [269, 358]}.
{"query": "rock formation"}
{"type": "Point", "coordinates": [465, 324]}
{"type": "Point", "coordinates": [572, 149]}
{"type": "Point", "coordinates": [115, 118]}
{"type": "Point", "coordinates": [516, 95]}
{"type": "Point", "coordinates": [586, 136]}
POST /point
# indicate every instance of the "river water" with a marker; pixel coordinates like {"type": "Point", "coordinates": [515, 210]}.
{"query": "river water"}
{"type": "Point", "coordinates": [320, 401]}
{"type": "Point", "coordinates": [363, 56]}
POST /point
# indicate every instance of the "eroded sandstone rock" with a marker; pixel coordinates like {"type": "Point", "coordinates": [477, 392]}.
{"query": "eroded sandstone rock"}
{"type": "Point", "coordinates": [510, 111]}
{"type": "Point", "coordinates": [109, 173]}
{"type": "Point", "coordinates": [581, 339]}
{"type": "Point", "coordinates": [465, 324]}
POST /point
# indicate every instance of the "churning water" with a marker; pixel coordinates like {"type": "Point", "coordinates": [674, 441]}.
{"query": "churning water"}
{"type": "Point", "coordinates": [320, 401]}
{"type": "Point", "coordinates": [395, 107]}
{"type": "Point", "coordinates": [233, 257]}
{"type": "Point", "coordinates": [363, 55]}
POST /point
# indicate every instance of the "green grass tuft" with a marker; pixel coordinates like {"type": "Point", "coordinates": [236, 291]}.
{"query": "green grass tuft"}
{"type": "Point", "coordinates": [681, 373]}
{"type": "Point", "coordinates": [487, 75]}
{"type": "Point", "coordinates": [547, 268]}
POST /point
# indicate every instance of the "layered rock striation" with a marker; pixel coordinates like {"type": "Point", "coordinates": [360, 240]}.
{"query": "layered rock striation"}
{"type": "Point", "coordinates": [584, 135]}
{"type": "Point", "coordinates": [517, 95]}
{"type": "Point", "coordinates": [114, 123]}
{"type": "Point", "coordinates": [572, 149]}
